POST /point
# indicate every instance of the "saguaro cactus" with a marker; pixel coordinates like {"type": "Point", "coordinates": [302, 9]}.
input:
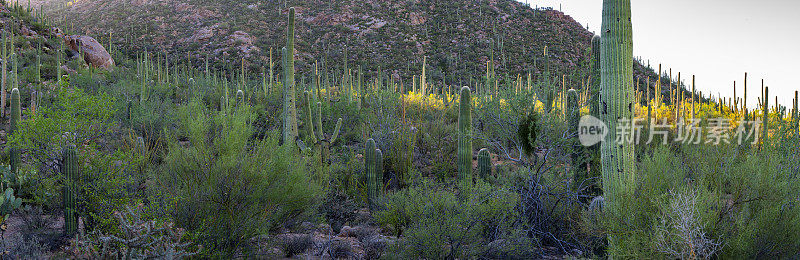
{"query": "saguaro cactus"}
{"type": "Point", "coordinates": [484, 163]}
{"type": "Point", "coordinates": [595, 77]}
{"type": "Point", "coordinates": [16, 117]}
{"type": "Point", "coordinates": [378, 171]}
{"type": "Point", "coordinates": [289, 108]}
{"type": "Point", "coordinates": [71, 176]}
{"type": "Point", "coordinates": [616, 94]}
{"type": "Point", "coordinates": [465, 135]}
{"type": "Point", "coordinates": [765, 109]}
{"type": "Point", "coordinates": [371, 172]}
{"type": "Point", "coordinates": [573, 115]}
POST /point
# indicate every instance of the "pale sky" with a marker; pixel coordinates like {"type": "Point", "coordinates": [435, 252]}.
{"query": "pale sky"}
{"type": "Point", "coordinates": [715, 40]}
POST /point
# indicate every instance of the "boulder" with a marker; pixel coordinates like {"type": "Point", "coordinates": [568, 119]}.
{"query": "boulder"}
{"type": "Point", "coordinates": [93, 52]}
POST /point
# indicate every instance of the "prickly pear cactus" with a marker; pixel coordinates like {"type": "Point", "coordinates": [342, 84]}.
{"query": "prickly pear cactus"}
{"type": "Point", "coordinates": [465, 135]}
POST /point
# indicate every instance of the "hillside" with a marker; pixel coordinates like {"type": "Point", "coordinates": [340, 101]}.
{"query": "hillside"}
{"type": "Point", "coordinates": [458, 37]}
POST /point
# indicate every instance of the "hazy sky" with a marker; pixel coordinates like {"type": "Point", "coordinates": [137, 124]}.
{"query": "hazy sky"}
{"type": "Point", "coordinates": [715, 40]}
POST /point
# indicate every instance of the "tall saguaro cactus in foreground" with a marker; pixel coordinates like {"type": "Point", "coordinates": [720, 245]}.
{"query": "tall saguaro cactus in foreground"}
{"type": "Point", "coordinates": [71, 177]}
{"type": "Point", "coordinates": [465, 134]}
{"type": "Point", "coordinates": [16, 117]}
{"type": "Point", "coordinates": [616, 95]}
{"type": "Point", "coordinates": [289, 108]}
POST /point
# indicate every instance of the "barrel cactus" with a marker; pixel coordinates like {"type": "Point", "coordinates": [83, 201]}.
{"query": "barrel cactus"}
{"type": "Point", "coordinates": [16, 117]}
{"type": "Point", "coordinates": [71, 178]}
{"type": "Point", "coordinates": [484, 163]}
{"type": "Point", "coordinates": [465, 135]}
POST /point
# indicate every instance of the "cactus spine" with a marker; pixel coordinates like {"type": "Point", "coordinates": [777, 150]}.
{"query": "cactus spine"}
{"type": "Point", "coordinates": [465, 134]}
{"type": "Point", "coordinates": [289, 109]}
{"type": "Point", "coordinates": [484, 163]}
{"type": "Point", "coordinates": [616, 55]}
{"type": "Point", "coordinates": [16, 117]}
{"type": "Point", "coordinates": [71, 176]}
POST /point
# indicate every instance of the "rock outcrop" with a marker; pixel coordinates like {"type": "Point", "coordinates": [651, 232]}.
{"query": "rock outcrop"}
{"type": "Point", "coordinates": [93, 52]}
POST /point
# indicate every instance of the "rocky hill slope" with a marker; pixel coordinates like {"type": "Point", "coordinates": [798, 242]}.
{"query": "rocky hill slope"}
{"type": "Point", "coordinates": [457, 37]}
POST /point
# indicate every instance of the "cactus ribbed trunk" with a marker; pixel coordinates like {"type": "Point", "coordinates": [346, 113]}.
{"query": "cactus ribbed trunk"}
{"type": "Point", "coordinates": [795, 115]}
{"type": "Point", "coordinates": [484, 163]}
{"type": "Point", "coordinates": [465, 134]}
{"type": "Point", "coordinates": [369, 169]}
{"type": "Point", "coordinates": [71, 176]}
{"type": "Point", "coordinates": [16, 117]}
{"type": "Point", "coordinates": [379, 171]}
{"type": "Point", "coordinates": [573, 114]}
{"type": "Point", "coordinates": [617, 95]}
{"type": "Point", "coordinates": [3, 81]}
{"type": "Point", "coordinates": [595, 85]}
{"type": "Point", "coordinates": [289, 108]}
{"type": "Point", "coordinates": [765, 123]}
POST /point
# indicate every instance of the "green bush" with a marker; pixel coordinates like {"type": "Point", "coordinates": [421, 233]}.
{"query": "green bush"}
{"type": "Point", "coordinates": [440, 223]}
{"type": "Point", "coordinates": [747, 207]}
{"type": "Point", "coordinates": [225, 188]}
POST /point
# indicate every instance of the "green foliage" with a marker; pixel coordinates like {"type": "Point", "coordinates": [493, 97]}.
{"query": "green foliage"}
{"type": "Point", "coordinates": [528, 132]}
{"type": "Point", "coordinates": [744, 206]}
{"type": "Point", "coordinates": [438, 223]}
{"type": "Point", "coordinates": [227, 189]}
{"type": "Point", "coordinates": [73, 117]}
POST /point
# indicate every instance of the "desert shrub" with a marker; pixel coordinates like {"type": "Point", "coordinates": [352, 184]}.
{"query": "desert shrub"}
{"type": "Point", "coordinates": [437, 222]}
{"type": "Point", "coordinates": [17, 246]}
{"type": "Point", "coordinates": [743, 205]}
{"type": "Point", "coordinates": [74, 117]}
{"type": "Point", "coordinates": [293, 245]}
{"type": "Point", "coordinates": [226, 188]}
{"type": "Point", "coordinates": [135, 237]}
